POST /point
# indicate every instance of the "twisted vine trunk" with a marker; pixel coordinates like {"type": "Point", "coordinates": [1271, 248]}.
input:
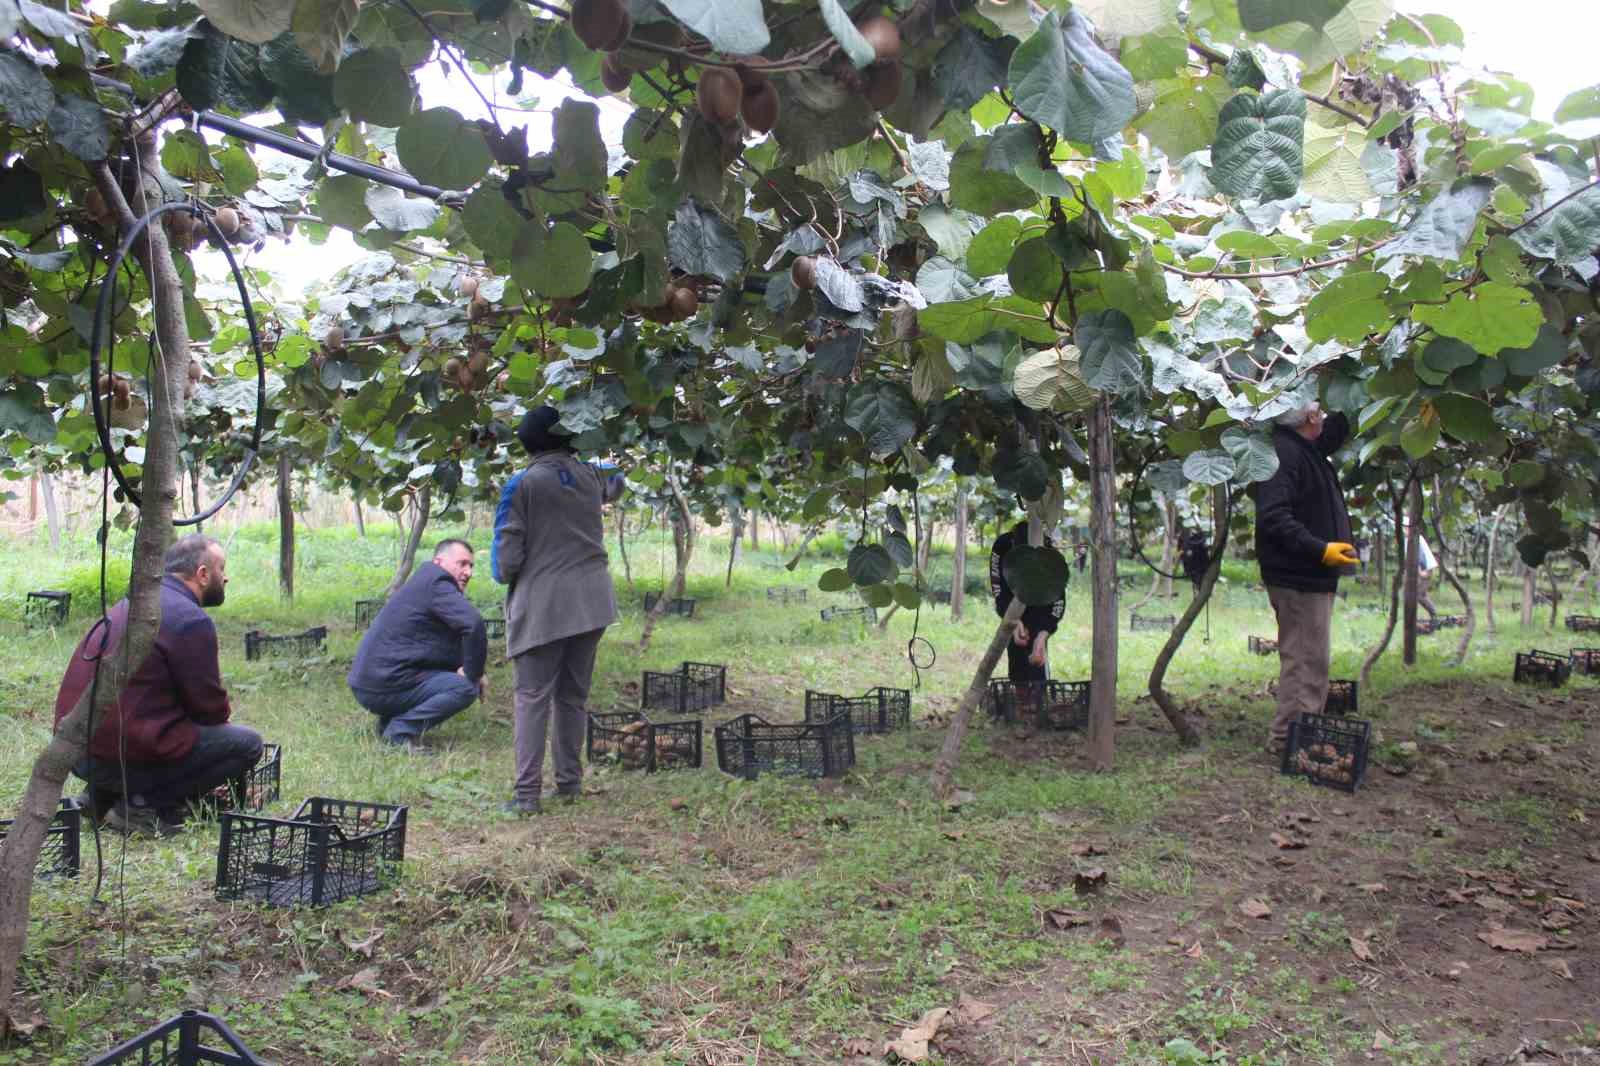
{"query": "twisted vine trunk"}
{"type": "Point", "coordinates": [286, 527]}
{"type": "Point", "coordinates": [361, 521]}
{"type": "Point", "coordinates": [52, 513]}
{"type": "Point", "coordinates": [944, 767]}
{"type": "Point", "coordinates": [682, 549]}
{"type": "Point", "coordinates": [159, 485]}
{"type": "Point", "coordinates": [622, 545]}
{"type": "Point", "coordinates": [1489, 569]}
{"type": "Point", "coordinates": [1394, 594]}
{"type": "Point", "coordinates": [958, 566]}
{"type": "Point", "coordinates": [733, 547]}
{"type": "Point", "coordinates": [1187, 734]}
{"type": "Point", "coordinates": [408, 553]}
{"type": "Point", "coordinates": [1412, 552]}
{"type": "Point", "coordinates": [1103, 541]}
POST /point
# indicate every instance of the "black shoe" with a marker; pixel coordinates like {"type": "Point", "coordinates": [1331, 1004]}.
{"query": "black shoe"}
{"type": "Point", "coordinates": [381, 724]}
{"type": "Point", "coordinates": [569, 795]}
{"type": "Point", "coordinates": [521, 808]}
{"type": "Point", "coordinates": [143, 821]}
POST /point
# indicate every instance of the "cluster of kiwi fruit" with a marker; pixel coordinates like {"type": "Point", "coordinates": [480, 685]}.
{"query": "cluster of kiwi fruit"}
{"type": "Point", "coordinates": [1325, 761]}
{"type": "Point", "coordinates": [880, 81]}
{"type": "Point", "coordinates": [477, 303]}
{"type": "Point", "coordinates": [119, 387]}
{"type": "Point", "coordinates": [604, 26]}
{"type": "Point", "coordinates": [726, 95]}
{"type": "Point", "coordinates": [678, 302]}
{"type": "Point", "coordinates": [632, 747]}
{"type": "Point", "coordinates": [469, 374]}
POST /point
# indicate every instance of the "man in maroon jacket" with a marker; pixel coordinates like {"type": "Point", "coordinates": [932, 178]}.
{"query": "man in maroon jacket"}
{"type": "Point", "coordinates": [167, 741]}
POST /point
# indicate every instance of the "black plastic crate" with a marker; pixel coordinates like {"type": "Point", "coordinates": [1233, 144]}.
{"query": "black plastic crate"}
{"type": "Point", "coordinates": [1163, 623]}
{"type": "Point", "coordinates": [1544, 598]}
{"type": "Point", "coordinates": [329, 850]}
{"type": "Point", "coordinates": [938, 596]}
{"type": "Point", "coordinates": [683, 606]}
{"type": "Point", "coordinates": [494, 628]}
{"type": "Point", "coordinates": [47, 607]}
{"type": "Point", "coordinates": [1585, 660]}
{"type": "Point", "coordinates": [58, 855]}
{"type": "Point", "coordinates": [1328, 750]}
{"type": "Point", "coordinates": [193, 1038]}
{"type": "Point", "coordinates": [1343, 698]}
{"type": "Point", "coordinates": [1452, 621]}
{"type": "Point", "coordinates": [749, 746]}
{"type": "Point", "coordinates": [691, 687]}
{"type": "Point", "coordinates": [635, 742]}
{"type": "Point", "coordinates": [1060, 705]}
{"type": "Point", "coordinates": [1263, 645]}
{"type": "Point", "coordinates": [1583, 623]}
{"type": "Point", "coordinates": [258, 645]}
{"type": "Point", "coordinates": [865, 615]}
{"type": "Point", "coordinates": [1542, 668]}
{"type": "Point", "coordinates": [876, 711]}
{"type": "Point", "coordinates": [366, 611]}
{"type": "Point", "coordinates": [256, 787]}
{"type": "Point", "coordinates": [786, 594]}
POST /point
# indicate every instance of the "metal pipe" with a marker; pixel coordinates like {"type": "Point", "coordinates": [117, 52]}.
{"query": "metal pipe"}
{"type": "Point", "coordinates": [301, 150]}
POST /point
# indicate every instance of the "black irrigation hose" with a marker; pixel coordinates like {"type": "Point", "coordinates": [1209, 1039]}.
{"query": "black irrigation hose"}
{"type": "Point", "coordinates": [102, 422]}
{"type": "Point", "coordinates": [1133, 530]}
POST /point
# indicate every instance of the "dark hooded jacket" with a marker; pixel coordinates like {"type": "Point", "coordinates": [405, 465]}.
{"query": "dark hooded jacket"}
{"type": "Point", "coordinates": [1300, 509]}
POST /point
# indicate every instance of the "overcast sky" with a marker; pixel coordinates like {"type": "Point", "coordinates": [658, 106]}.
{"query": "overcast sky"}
{"type": "Point", "coordinates": [1548, 43]}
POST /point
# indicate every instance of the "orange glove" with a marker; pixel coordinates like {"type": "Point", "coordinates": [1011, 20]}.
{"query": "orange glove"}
{"type": "Point", "coordinates": [1338, 553]}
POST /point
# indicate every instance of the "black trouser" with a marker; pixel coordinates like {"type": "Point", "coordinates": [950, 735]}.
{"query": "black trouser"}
{"type": "Point", "coordinates": [220, 753]}
{"type": "Point", "coordinates": [1017, 665]}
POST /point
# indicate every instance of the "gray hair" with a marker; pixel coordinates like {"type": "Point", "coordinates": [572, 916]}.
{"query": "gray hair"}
{"type": "Point", "coordinates": [450, 542]}
{"type": "Point", "coordinates": [1297, 417]}
{"type": "Point", "coordinates": [186, 556]}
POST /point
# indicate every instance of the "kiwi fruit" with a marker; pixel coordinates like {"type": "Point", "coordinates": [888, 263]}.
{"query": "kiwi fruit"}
{"type": "Point", "coordinates": [466, 378]}
{"type": "Point", "coordinates": [103, 385]}
{"type": "Point", "coordinates": [98, 210]}
{"type": "Point", "coordinates": [333, 340]}
{"type": "Point", "coordinates": [478, 362]}
{"type": "Point", "coordinates": [884, 37]}
{"type": "Point", "coordinates": [122, 391]}
{"type": "Point", "coordinates": [760, 106]}
{"type": "Point", "coordinates": [719, 95]}
{"type": "Point", "coordinates": [122, 403]}
{"type": "Point", "coordinates": [684, 303]}
{"type": "Point", "coordinates": [467, 285]}
{"type": "Point", "coordinates": [882, 85]}
{"type": "Point", "coordinates": [196, 371]}
{"type": "Point", "coordinates": [478, 307]}
{"type": "Point", "coordinates": [602, 25]}
{"type": "Point", "coordinates": [452, 368]}
{"type": "Point", "coordinates": [227, 220]}
{"type": "Point", "coordinates": [804, 272]}
{"type": "Point", "coordinates": [614, 74]}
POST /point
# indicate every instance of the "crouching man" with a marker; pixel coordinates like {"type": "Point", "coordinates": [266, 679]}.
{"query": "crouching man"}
{"type": "Point", "coordinates": [422, 660]}
{"type": "Point", "coordinates": [168, 741]}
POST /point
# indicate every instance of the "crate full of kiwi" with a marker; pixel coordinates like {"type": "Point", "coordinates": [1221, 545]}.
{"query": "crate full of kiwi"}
{"type": "Point", "coordinates": [1328, 750]}
{"type": "Point", "coordinates": [630, 740]}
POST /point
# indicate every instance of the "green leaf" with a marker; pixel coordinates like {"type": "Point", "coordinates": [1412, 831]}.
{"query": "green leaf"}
{"type": "Point", "coordinates": [1419, 436]}
{"type": "Point", "coordinates": [441, 148]}
{"type": "Point", "coordinates": [1183, 118]}
{"type": "Point", "coordinates": [990, 251]}
{"type": "Point", "coordinates": [579, 151]}
{"type": "Point", "coordinates": [79, 126]}
{"type": "Point", "coordinates": [1258, 15]}
{"type": "Point", "coordinates": [976, 188]}
{"type": "Point", "coordinates": [21, 192]}
{"type": "Point", "coordinates": [321, 28]}
{"type": "Point", "coordinates": [1566, 234]}
{"type": "Point", "coordinates": [1348, 308]}
{"type": "Point", "coordinates": [1585, 103]}
{"type": "Point", "coordinates": [1023, 472]}
{"type": "Point", "coordinates": [23, 410]}
{"type": "Point", "coordinates": [1547, 349]}
{"type": "Point", "coordinates": [701, 242]}
{"type": "Point", "coordinates": [341, 200]}
{"type": "Point", "coordinates": [1317, 47]}
{"type": "Point", "coordinates": [1052, 379]}
{"type": "Point", "coordinates": [1258, 150]}
{"type": "Point", "coordinates": [217, 71]}
{"type": "Point", "coordinates": [884, 413]}
{"type": "Point", "coordinates": [1441, 230]}
{"type": "Point", "coordinates": [1034, 270]}
{"type": "Point", "coordinates": [1375, 412]}
{"type": "Point", "coordinates": [970, 66]}
{"type": "Point", "coordinates": [555, 264]}
{"type": "Point", "coordinates": [239, 174]}
{"type": "Point", "coordinates": [967, 320]}
{"type": "Point", "coordinates": [1129, 18]}
{"type": "Point", "coordinates": [373, 86]}
{"type": "Point", "coordinates": [1210, 467]}
{"type": "Point", "coordinates": [185, 154]}
{"type": "Point", "coordinates": [396, 211]}
{"type": "Point", "coordinates": [25, 93]}
{"type": "Point", "coordinates": [1490, 317]}
{"type": "Point", "coordinates": [1109, 352]}
{"type": "Point", "coordinates": [1254, 456]}
{"type": "Point", "coordinates": [906, 596]}
{"type": "Point", "coordinates": [1037, 576]}
{"type": "Point", "coordinates": [252, 21]}
{"type": "Point", "coordinates": [1525, 473]}
{"type": "Point", "coordinates": [871, 564]}
{"type": "Point", "coordinates": [303, 96]}
{"type": "Point", "coordinates": [1445, 354]}
{"type": "Point", "coordinates": [1244, 70]}
{"type": "Point", "coordinates": [899, 549]}
{"type": "Point", "coordinates": [856, 48]}
{"type": "Point", "coordinates": [491, 221]}
{"type": "Point", "coordinates": [835, 580]}
{"type": "Point", "coordinates": [1464, 417]}
{"type": "Point", "coordinates": [735, 27]}
{"type": "Point", "coordinates": [1061, 78]}
{"type": "Point", "coordinates": [1334, 170]}
{"type": "Point", "coordinates": [157, 54]}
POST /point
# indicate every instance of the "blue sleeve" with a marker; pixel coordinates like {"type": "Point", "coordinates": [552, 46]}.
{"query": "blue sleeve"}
{"type": "Point", "coordinates": [502, 509]}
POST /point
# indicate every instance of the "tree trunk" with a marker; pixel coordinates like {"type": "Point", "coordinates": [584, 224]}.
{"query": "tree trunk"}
{"type": "Point", "coordinates": [1408, 652]}
{"type": "Point", "coordinates": [361, 522]}
{"type": "Point", "coordinates": [733, 547]}
{"type": "Point", "coordinates": [1527, 595]}
{"type": "Point", "coordinates": [1398, 502]}
{"type": "Point", "coordinates": [159, 485]}
{"type": "Point", "coordinates": [1489, 569]}
{"type": "Point", "coordinates": [622, 545]}
{"type": "Point", "coordinates": [423, 503]}
{"type": "Point", "coordinates": [194, 494]}
{"type": "Point", "coordinates": [1455, 582]}
{"type": "Point", "coordinates": [52, 513]}
{"type": "Point", "coordinates": [1187, 734]}
{"type": "Point", "coordinates": [800, 552]}
{"type": "Point", "coordinates": [950, 751]}
{"type": "Point", "coordinates": [1103, 542]}
{"type": "Point", "coordinates": [1169, 550]}
{"type": "Point", "coordinates": [285, 527]}
{"type": "Point", "coordinates": [1380, 555]}
{"type": "Point", "coordinates": [682, 549]}
{"type": "Point", "coordinates": [755, 530]}
{"type": "Point", "coordinates": [958, 580]}
{"type": "Point", "coordinates": [1555, 596]}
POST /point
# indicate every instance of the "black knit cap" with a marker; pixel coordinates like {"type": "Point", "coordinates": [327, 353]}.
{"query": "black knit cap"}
{"type": "Point", "coordinates": [538, 433]}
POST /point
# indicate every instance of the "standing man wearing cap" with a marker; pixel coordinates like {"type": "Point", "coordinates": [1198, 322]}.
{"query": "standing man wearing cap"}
{"type": "Point", "coordinates": [549, 551]}
{"type": "Point", "coordinates": [1302, 543]}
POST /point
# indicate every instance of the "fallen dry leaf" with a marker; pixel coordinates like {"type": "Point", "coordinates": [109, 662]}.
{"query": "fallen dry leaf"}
{"type": "Point", "coordinates": [677, 803]}
{"type": "Point", "coordinates": [1090, 880]}
{"type": "Point", "coordinates": [1256, 907]}
{"type": "Point", "coordinates": [1111, 930]}
{"type": "Point", "coordinates": [1560, 968]}
{"type": "Point", "coordinates": [1502, 939]}
{"type": "Point", "coordinates": [954, 834]}
{"type": "Point", "coordinates": [1495, 904]}
{"type": "Point", "coordinates": [860, 1047]}
{"type": "Point", "coordinates": [1195, 950]}
{"type": "Point", "coordinates": [1067, 919]}
{"type": "Point", "coordinates": [1286, 842]}
{"type": "Point", "coordinates": [1380, 1040]}
{"type": "Point", "coordinates": [1593, 855]}
{"type": "Point", "coordinates": [1556, 921]}
{"type": "Point", "coordinates": [1456, 970]}
{"type": "Point", "coordinates": [1374, 888]}
{"type": "Point", "coordinates": [959, 799]}
{"type": "Point", "coordinates": [364, 948]}
{"type": "Point", "coordinates": [1360, 949]}
{"type": "Point", "coordinates": [971, 1011]}
{"type": "Point", "coordinates": [364, 981]}
{"type": "Point", "coordinates": [912, 1043]}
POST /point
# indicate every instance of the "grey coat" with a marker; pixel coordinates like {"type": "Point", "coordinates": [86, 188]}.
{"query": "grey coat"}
{"type": "Point", "coordinates": [552, 555]}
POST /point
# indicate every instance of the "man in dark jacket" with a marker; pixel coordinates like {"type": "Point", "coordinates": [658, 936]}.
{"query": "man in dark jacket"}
{"type": "Point", "coordinates": [1303, 542]}
{"type": "Point", "coordinates": [167, 741]}
{"type": "Point", "coordinates": [422, 660]}
{"type": "Point", "coordinates": [1026, 655]}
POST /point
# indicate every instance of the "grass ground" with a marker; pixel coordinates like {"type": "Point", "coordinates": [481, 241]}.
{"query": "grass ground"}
{"type": "Point", "coordinates": [689, 918]}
